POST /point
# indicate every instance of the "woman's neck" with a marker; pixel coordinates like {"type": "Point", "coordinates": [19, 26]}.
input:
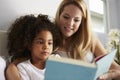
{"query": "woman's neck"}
{"type": "Point", "coordinates": [65, 44]}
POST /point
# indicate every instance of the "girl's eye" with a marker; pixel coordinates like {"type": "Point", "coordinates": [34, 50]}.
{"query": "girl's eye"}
{"type": "Point", "coordinates": [50, 43]}
{"type": "Point", "coordinates": [40, 41]}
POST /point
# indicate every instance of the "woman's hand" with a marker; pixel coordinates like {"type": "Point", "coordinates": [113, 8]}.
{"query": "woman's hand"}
{"type": "Point", "coordinates": [111, 75]}
{"type": "Point", "coordinates": [12, 72]}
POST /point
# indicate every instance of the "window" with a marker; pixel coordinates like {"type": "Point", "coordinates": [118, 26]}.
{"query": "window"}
{"type": "Point", "coordinates": [97, 14]}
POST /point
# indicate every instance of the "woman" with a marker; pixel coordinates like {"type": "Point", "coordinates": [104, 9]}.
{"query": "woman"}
{"type": "Point", "coordinates": [78, 42]}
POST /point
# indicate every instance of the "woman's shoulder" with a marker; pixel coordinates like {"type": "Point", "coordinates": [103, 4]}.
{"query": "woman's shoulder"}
{"type": "Point", "coordinates": [60, 53]}
{"type": "Point", "coordinates": [55, 55]}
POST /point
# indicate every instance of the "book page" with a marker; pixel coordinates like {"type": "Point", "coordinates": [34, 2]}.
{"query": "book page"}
{"type": "Point", "coordinates": [104, 63]}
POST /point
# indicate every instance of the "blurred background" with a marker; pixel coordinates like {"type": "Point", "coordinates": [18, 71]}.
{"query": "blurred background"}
{"type": "Point", "coordinates": [104, 13]}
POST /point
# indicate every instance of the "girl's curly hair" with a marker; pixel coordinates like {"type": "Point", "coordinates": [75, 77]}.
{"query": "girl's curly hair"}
{"type": "Point", "coordinates": [23, 31]}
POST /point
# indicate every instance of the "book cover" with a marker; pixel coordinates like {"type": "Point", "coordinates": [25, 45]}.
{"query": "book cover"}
{"type": "Point", "coordinates": [70, 69]}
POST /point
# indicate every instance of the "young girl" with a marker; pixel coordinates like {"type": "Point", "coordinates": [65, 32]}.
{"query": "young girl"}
{"type": "Point", "coordinates": [32, 38]}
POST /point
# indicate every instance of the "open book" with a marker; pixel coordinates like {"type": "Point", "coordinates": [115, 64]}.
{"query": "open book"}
{"type": "Point", "coordinates": [70, 69]}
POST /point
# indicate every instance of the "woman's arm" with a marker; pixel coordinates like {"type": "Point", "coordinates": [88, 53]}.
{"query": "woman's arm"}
{"type": "Point", "coordinates": [99, 48]}
{"type": "Point", "coordinates": [114, 72]}
{"type": "Point", "coordinates": [12, 72]}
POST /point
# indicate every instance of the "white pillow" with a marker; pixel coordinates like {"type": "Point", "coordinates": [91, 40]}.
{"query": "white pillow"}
{"type": "Point", "coordinates": [2, 68]}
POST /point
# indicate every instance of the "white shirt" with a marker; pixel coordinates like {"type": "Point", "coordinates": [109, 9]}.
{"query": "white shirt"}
{"type": "Point", "coordinates": [30, 72]}
{"type": "Point", "coordinates": [88, 58]}
{"type": "Point", "coordinates": [2, 68]}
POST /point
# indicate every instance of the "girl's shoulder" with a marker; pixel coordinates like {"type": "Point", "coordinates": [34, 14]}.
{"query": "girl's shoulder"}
{"type": "Point", "coordinates": [25, 63]}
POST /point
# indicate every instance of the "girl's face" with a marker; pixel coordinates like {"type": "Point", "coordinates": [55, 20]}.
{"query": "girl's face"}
{"type": "Point", "coordinates": [42, 45]}
{"type": "Point", "coordinates": [70, 20]}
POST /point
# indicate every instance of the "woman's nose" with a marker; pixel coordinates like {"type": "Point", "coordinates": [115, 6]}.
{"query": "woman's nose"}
{"type": "Point", "coordinates": [70, 22]}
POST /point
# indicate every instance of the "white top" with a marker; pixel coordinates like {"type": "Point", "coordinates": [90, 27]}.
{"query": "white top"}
{"type": "Point", "coordinates": [88, 58]}
{"type": "Point", "coordinates": [2, 68]}
{"type": "Point", "coordinates": [30, 72]}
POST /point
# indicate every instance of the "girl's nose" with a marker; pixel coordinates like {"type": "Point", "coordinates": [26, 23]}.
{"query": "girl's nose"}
{"type": "Point", "coordinates": [45, 46]}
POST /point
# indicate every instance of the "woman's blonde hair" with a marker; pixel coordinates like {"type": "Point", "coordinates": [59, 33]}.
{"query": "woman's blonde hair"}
{"type": "Point", "coordinates": [82, 40]}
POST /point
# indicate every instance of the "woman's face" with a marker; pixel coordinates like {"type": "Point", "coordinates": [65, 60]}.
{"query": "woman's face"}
{"type": "Point", "coordinates": [70, 20]}
{"type": "Point", "coordinates": [42, 46]}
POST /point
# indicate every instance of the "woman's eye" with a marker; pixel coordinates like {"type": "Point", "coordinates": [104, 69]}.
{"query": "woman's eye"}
{"type": "Point", "coordinates": [76, 20]}
{"type": "Point", "coordinates": [66, 17]}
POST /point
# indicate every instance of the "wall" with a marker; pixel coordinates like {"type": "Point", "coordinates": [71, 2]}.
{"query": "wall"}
{"type": "Point", "coordinates": [113, 13]}
{"type": "Point", "coordinates": [118, 7]}
{"type": "Point", "coordinates": [97, 22]}
{"type": "Point", "coordinates": [11, 9]}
